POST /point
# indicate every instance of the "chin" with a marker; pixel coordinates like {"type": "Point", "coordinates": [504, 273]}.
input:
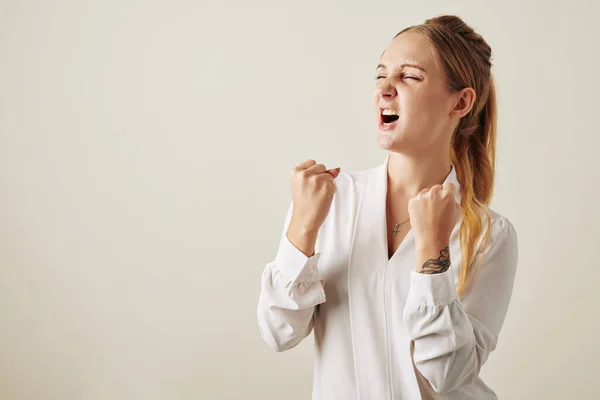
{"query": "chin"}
{"type": "Point", "coordinates": [385, 140]}
{"type": "Point", "coordinates": [393, 141]}
{"type": "Point", "coordinates": [388, 139]}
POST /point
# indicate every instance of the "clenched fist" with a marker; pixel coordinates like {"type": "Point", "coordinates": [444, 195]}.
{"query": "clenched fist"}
{"type": "Point", "coordinates": [433, 215]}
{"type": "Point", "coordinates": [313, 188]}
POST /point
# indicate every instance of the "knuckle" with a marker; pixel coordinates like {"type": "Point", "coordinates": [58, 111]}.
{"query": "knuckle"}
{"type": "Point", "coordinates": [307, 164]}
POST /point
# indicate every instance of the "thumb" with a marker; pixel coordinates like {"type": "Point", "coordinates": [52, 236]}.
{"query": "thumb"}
{"type": "Point", "coordinates": [454, 191]}
{"type": "Point", "coordinates": [334, 172]}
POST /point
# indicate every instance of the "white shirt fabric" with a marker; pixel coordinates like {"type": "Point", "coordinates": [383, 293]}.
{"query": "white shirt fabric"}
{"type": "Point", "coordinates": [382, 331]}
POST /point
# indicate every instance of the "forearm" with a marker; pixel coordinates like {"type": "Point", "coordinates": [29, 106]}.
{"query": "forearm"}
{"type": "Point", "coordinates": [446, 349]}
{"type": "Point", "coordinates": [285, 309]}
{"type": "Point", "coordinates": [290, 290]}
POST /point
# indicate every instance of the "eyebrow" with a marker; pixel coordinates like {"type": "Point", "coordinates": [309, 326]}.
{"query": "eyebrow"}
{"type": "Point", "coordinates": [403, 66]}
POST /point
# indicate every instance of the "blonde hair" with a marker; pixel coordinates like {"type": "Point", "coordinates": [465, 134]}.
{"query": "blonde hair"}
{"type": "Point", "coordinates": [466, 59]}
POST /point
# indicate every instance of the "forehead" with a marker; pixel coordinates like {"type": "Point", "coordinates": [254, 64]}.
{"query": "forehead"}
{"type": "Point", "coordinates": [411, 48]}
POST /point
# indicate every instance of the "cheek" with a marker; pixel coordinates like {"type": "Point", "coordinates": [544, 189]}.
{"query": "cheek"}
{"type": "Point", "coordinates": [440, 101]}
{"type": "Point", "coordinates": [419, 112]}
{"type": "Point", "coordinates": [414, 106]}
{"type": "Point", "coordinates": [424, 105]}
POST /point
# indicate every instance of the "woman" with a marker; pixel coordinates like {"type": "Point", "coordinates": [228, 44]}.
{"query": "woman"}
{"type": "Point", "coordinates": [402, 271]}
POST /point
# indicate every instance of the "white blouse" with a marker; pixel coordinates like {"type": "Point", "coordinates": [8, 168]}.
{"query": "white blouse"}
{"type": "Point", "coordinates": [382, 331]}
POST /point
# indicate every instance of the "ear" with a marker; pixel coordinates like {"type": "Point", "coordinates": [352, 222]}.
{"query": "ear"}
{"type": "Point", "coordinates": [465, 101]}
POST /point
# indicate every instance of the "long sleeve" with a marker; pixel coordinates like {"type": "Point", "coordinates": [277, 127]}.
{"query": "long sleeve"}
{"type": "Point", "coordinates": [454, 336]}
{"type": "Point", "coordinates": [290, 290]}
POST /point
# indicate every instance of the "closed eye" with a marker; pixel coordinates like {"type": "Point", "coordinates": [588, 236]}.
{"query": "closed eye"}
{"type": "Point", "coordinates": [404, 77]}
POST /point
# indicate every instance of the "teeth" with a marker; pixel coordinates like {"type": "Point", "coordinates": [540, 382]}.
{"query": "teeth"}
{"type": "Point", "coordinates": [388, 112]}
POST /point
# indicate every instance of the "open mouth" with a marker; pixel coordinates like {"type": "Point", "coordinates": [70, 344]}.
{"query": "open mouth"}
{"type": "Point", "coordinates": [388, 116]}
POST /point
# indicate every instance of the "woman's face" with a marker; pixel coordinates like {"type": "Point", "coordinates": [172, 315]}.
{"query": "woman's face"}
{"type": "Point", "coordinates": [413, 103]}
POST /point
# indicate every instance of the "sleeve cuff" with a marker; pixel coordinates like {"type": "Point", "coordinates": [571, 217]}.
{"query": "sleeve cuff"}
{"type": "Point", "coordinates": [431, 289]}
{"type": "Point", "coordinates": [294, 265]}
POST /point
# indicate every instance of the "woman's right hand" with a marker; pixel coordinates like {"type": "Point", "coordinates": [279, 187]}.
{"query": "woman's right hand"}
{"type": "Point", "coordinates": [313, 188]}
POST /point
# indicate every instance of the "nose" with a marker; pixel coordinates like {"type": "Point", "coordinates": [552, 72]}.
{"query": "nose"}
{"type": "Point", "coordinates": [386, 89]}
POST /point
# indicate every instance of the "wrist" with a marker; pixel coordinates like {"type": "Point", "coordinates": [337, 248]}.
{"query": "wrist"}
{"type": "Point", "coordinates": [302, 228]}
{"type": "Point", "coordinates": [431, 244]}
{"type": "Point", "coordinates": [433, 256]}
{"type": "Point", "coordinates": [302, 237]}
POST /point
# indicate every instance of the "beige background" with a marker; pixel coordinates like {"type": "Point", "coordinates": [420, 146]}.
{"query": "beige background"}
{"type": "Point", "coordinates": [144, 157]}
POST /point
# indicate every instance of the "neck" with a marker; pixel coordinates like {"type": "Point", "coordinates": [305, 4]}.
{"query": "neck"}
{"type": "Point", "coordinates": [408, 175]}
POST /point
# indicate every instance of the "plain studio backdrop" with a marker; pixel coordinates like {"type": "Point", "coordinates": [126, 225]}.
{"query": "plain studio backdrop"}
{"type": "Point", "coordinates": [145, 148]}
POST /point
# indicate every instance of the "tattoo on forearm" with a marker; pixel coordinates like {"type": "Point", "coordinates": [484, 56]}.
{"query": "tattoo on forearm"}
{"type": "Point", "coordinates": [441, 264]}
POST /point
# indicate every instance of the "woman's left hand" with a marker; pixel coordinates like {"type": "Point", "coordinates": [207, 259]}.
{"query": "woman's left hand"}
{"type": "Point", "coordinates": [433, 215]}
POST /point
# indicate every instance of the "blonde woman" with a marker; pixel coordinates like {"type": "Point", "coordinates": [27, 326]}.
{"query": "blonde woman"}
{"type": "Point", "coordinates": [403, 272]}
